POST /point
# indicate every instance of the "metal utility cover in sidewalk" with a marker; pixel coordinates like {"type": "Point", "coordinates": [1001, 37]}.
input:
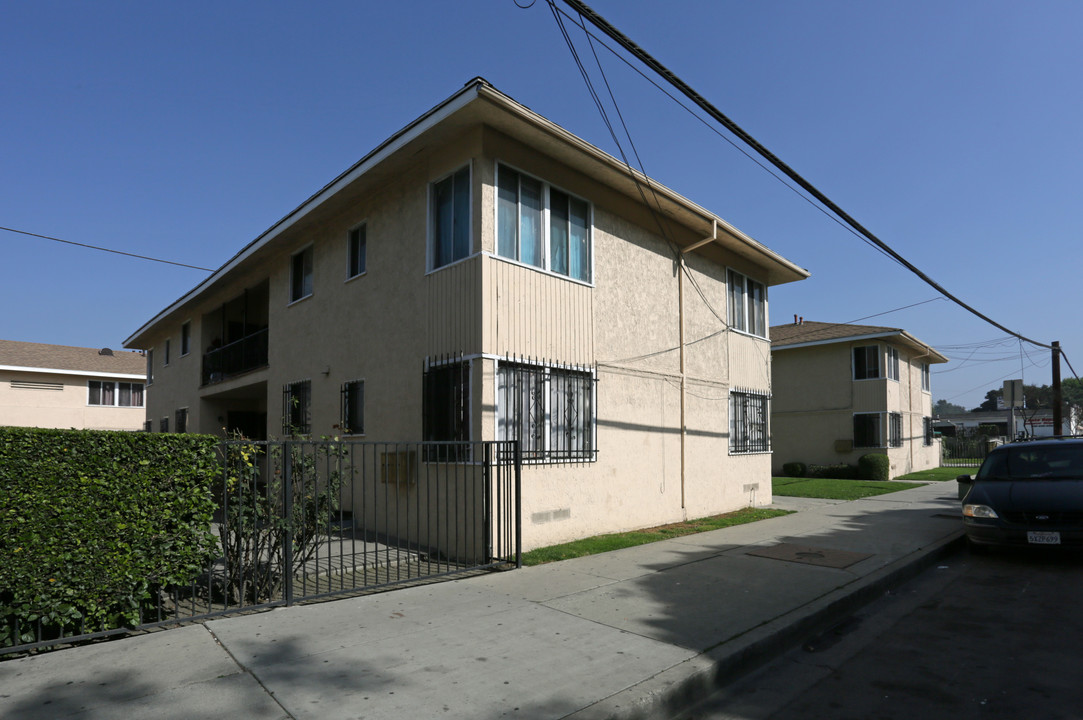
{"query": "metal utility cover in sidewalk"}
{"type": "Point", "coordinates": [824, 557]}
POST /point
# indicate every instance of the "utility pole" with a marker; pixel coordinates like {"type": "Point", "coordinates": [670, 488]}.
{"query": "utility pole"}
{"type": "Point", "coordinates": [1058, 395]}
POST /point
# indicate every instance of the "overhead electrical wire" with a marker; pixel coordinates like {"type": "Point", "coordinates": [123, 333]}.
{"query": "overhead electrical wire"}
{"type": "Point", "coordinates": [602, 24]}
{"type": "Point", "coordinates": [102, 249]}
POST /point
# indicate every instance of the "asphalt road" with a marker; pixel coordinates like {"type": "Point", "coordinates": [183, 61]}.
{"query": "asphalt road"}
{"type": "Point", "coordinates": [976, 636]}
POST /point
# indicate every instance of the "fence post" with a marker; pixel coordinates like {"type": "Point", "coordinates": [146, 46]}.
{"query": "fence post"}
{"type": "Point", "coordinates": [287, 517]}
{"type": "Point", "coordinates": [518, 505]}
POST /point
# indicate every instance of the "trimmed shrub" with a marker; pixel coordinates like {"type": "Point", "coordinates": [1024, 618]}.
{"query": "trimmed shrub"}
{"type": "Point", "coordinates": [841, 471]}
{"type": "Point", "coordinates": [92, 522]}
{"type": "Point", "coordinates": [794, 469]}
{"type": "Point", "coordinates": [874, 466]}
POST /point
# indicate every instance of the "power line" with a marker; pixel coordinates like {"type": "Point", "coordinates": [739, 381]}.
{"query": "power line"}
{"type": "Point", "coordinates": [108, 250]}
{"type": "Point", "coordinates": [603, 25]}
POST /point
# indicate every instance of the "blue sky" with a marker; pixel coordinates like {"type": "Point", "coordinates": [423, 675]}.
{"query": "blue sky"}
{"type": "Point", "coordinates": [182, 131]}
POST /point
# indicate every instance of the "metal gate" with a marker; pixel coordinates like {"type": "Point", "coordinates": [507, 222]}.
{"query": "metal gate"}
{"type": "Point", "coordinates": [305, 520]}
{"type": "Point", "coordinates": [963, 452]}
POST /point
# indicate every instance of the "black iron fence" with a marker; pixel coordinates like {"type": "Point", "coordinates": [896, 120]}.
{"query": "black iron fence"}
{"type": "Point", "coordinates": [963, 452]}
{"type": "Point", "coordinates": [304, 520]}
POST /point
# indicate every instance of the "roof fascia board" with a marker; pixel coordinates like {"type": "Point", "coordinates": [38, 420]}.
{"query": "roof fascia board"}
{"type": "Point", "coordinates": [901, 334]}
{"type": "Point", "coordinates": [60, 371]}
{"type": "Point", "coordinates": [388, 147]}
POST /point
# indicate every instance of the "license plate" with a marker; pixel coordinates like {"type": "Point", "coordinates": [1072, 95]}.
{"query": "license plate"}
{"type": "Point", "coordinates": [1043, 538]}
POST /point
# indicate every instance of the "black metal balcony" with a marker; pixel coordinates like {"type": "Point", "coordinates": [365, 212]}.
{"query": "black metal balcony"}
{"type": "Point", "coordinates": [240, 356]}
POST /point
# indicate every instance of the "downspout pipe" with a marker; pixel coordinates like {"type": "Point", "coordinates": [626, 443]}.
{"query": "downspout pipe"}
{"type": "Point", "coordinates": [681, 269]}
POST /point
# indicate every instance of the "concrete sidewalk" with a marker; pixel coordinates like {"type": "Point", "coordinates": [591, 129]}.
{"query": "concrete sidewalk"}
{"type": "Point", "coordinates": [639, 632]}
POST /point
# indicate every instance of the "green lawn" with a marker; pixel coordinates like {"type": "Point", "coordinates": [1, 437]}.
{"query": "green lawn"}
{"type": "Point", "coordinates": [836, 489]}
{"type": "Point", "coordinates": [616, 541]}
{"type": "Point", "coordinates": [940, 474]}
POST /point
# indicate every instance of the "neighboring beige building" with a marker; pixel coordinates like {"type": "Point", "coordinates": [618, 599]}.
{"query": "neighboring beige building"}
{"type": "Point", "coordinates": [56, 386]}
{"type": "Point", "coordinates": [841, 391]}
{"type": "Point", "coordinates": [484, 274]}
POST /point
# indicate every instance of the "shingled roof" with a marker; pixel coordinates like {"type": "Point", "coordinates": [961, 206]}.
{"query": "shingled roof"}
{"type": "Point", "coordinates": [807, 332]}
{"type": "Point", "coordinates": [91, 361]}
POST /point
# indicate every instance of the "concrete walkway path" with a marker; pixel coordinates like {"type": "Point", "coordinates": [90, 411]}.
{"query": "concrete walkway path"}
{"type": "Point", "coordinates": [633, 633]}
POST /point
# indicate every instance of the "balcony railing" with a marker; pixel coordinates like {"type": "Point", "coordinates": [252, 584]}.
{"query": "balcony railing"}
{"type": "Point", "coordinates": [240, 356]}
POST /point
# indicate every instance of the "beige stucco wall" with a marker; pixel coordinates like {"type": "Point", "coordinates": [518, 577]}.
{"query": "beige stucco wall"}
{"type": "Point", "coordinates": [625, 325]}
{"type": "Point", "coordinates": [816, 397]}
{"type": "Point", "coordinates": [61, 401]}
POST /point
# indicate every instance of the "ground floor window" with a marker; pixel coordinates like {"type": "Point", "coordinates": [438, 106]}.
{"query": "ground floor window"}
{"type": "Point", "coordinates": [895, 429]}
{"type": "Point", "coordinates": [927, 427]}
{"type": "Point", "coordinates": [353, 408]}
{"type": "Point", "coordinates": [181, 418]}
{"type": "Point", "coordinates": [446, 409]}
{"type": "Point", "coordinates": [296, 405]}
{"type": "Point", "coordinates": [867, 430]}
{"type": "Point", "coordinates": [749, 412]}
{"type": "Point", "coordinates": [549, 410]}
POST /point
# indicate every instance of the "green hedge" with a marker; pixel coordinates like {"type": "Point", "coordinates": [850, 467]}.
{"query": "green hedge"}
{"type": "Point", "coordinates": [794, 469]}
{"type": "Point", "coordinates": [91, 522]}
{"type": "Point", "coordinates": [840, 471]}
{"type": "Point", "coordinates": [874, 466]}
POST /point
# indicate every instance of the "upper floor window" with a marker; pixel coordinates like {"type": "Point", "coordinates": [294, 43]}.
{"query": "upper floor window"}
{"type": "Point", "coordinates": [115, 394]}
{"type": "Point", "coordinates": [150, 367]}
{"type": "Point", "coordinates": [450, 231]}
{"type": "Point", "coordinates": [541, 226]}
{"type": "Point", "coordinates": [892, 363]}
{"type": "Point", "coordinates": [747, 304]}
{"type": "Point", "coordinates": [165, 357]}
{"type": "Point", "coordinates": [186, 338]}
{"type": "Point", "coordinates": [866, 362]}
{"type": "Point", "coordinates": [301, 274]}
{"type": "Point", "coordinates": [926, 379]}
{"type": "Point", "coordinates": [355, 251]}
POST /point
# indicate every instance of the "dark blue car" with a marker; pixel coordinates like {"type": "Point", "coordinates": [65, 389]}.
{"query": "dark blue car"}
{"type": "Point", "coordinates": [1026, 493]}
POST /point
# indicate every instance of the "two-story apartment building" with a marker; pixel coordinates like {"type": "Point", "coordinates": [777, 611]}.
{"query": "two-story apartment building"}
{"type": "Point", "coordinates": [841, 391]}
{"type": "Point", "coordinates": [485, 274]}
{"type": "Point", "coordinates": [60, 386]}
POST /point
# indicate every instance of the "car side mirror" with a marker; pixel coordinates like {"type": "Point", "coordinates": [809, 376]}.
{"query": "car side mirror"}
{"type": "Point", "coordinates": [965, 483]}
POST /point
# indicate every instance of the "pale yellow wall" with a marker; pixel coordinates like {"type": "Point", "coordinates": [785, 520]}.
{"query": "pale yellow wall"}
{"type": "Point", "coordinates": [381, 326]}
{"type": "Point", "coordinates": [65, 407]}
{"type": "Point", "coordinates": [815, 399]}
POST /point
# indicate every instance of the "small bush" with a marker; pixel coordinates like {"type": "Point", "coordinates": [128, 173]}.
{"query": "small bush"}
{"type": "Point", "coordinates": [874, 466]}
{"type": "Point", "coordinates": [794, 469]}
{"type": "Point", "coordinates": [841, 471]}
{"type": "Point", "coordinates": [93, 522]}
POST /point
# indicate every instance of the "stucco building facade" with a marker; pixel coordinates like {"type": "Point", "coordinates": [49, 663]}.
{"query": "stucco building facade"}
{"type": "Point", "coordinates": [485, 274]}
{"type": "Point", "coordinates": [841, 391]}
{"type": "Point", "coordinates": [60, 386]}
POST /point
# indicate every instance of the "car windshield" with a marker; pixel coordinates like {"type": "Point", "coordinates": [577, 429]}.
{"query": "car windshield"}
{"type": "Point", "coordinates": [1046, 462]}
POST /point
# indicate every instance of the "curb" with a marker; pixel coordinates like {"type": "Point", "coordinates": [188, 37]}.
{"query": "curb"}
{"type": "Point", "coordinates": [680, 687]}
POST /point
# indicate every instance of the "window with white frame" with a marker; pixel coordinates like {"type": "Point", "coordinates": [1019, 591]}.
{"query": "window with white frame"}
{"type": "Point", "coordinates": [301, 274]}
{"type": "Point", "coordinates": [749, 413]}
{"type": "Point", "coordinates": [866, 362]}
{"type": "Point", "coordinates": [892, 363]}
{"type": "Point", "coordinates": [539, 225]}
{"type": "Point", "coordinates": [107, 393]}
{"type": "Point", "coordinates": [353, 408]}
{"type": "Point", "coordinates": [867, 430]}
{"type": "Point", "coordinates": [296, 407]}
{"type": "Point", "coordinates": [895, 429]}
{"type": "Point", "coordinates": [450, 219]}
{"type": "Point", "coordinates": [356, 241]}
{"type": "Point", "coordinates": [926, 378]}
{"type": "Point", "coordinates": [549, 410]}
{"type": "Point", "coordinates": [747, 304]}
